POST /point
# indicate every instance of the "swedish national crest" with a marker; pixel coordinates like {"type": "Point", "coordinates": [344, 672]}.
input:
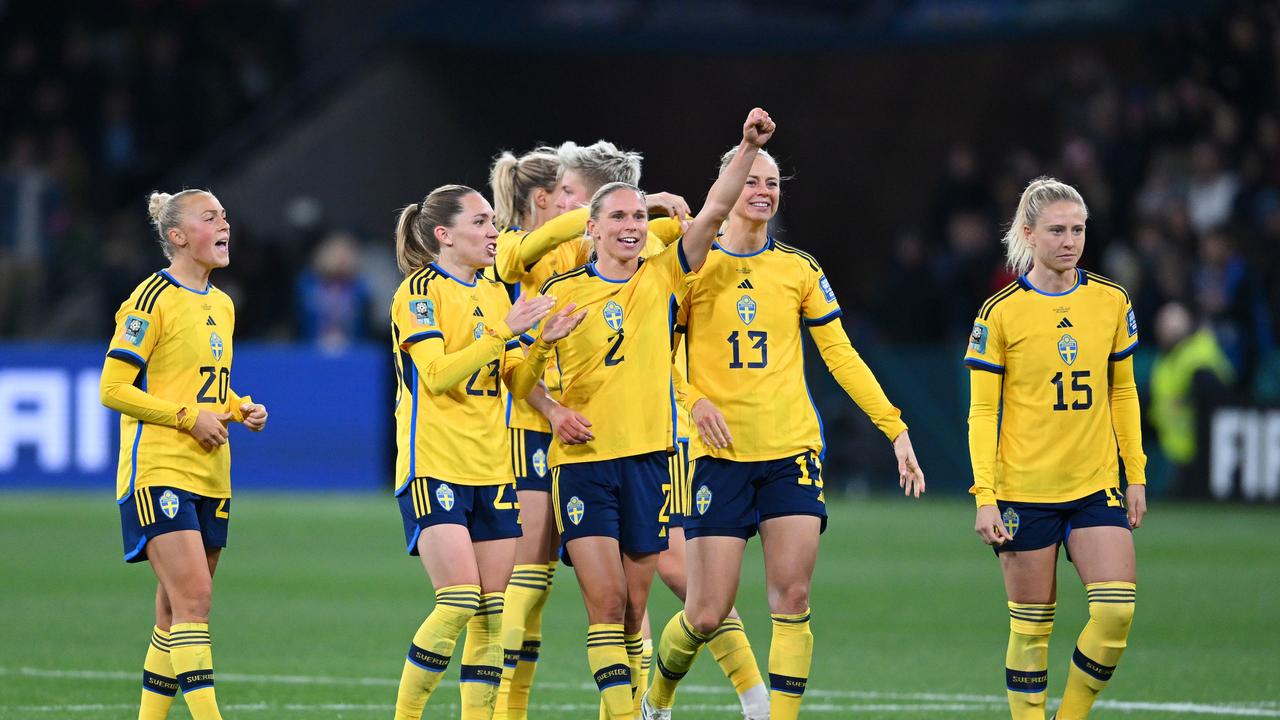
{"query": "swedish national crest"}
{"type": "Point", "coordinates": [575, 508]}
{"type": "Point", "coordinates": [444, 496]}
{"type": "Point", "coordinates": [746, 309]}
{"type": "Point", "coordinates": [703, 499]}
{"type": "Point", "coordinates": [1068, 349]}
{"type": "Point", "coordinates": [613, 315]}
{"type": "Point", "coordinates": [1011, 521]}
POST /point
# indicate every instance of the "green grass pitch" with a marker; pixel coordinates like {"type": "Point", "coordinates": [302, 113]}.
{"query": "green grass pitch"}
{"type": "Point", "coordinates": [315, 603]}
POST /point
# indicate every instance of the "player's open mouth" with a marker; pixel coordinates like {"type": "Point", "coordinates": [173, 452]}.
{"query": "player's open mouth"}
{"type": "Point", "coordinates": [761, 205]}
{"type": "Point", "coordinates": [629, 240]}
{"type": "Point", "coordinates": [222, 243]}
{"type": "Point", "coordinates": [491, 248]}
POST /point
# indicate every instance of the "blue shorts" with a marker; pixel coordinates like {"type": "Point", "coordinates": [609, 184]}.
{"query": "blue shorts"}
{"type": "Point", "coordinates": [731, 498]}
{"type": "Point", "coordinates": [529, 450]}
{"type": "Point", "coordinates": [490, 512]}
{"type": "Point", "coordinates": [151, 511]}
{"type": "Point", "coordinates": [677, 487]}
{"type": "Point", "coordinates": [619, 498]}
{"type": "Point", "coordinates": [1040, 525]}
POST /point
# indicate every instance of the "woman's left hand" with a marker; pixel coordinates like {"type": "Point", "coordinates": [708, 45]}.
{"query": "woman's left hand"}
{"type": "Point", "coordinates": [255, 416]}
{"type": "Point", "coordinates": [910, 476]}
{"type": "Point", "coordinates": [1136, 496]}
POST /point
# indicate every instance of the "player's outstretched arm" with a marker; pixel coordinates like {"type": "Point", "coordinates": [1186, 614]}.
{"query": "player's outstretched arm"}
{"type": "Point", "coordinates": [756, 131]}
{"type": "Point", "coordinates": [525, 372]}
{"type": "Point", "coordinates": [443, 371]}
{"type": "Point", "coordinates": [515, 258]}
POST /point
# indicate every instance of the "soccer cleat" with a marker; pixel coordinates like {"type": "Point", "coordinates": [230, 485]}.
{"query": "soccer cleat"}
{"type": "Point", "coordinates": [649, 712]}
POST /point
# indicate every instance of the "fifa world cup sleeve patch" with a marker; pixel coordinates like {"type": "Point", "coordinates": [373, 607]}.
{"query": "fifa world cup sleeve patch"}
{"type": "Point", "coordinates": [135, 328]}
{"type": "Point", "coordinates": [424, 311]}
{"type": "Point", "coordinates": [1133, 323]}
{"type": "Point", "coordinates": [827, 292]}
{"type": "Point", "coordinates": [978, 338]}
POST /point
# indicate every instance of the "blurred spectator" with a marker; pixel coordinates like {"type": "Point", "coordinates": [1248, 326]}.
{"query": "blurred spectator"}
{"type": "Point", "coordinates": [332, 297]}
{"type": "Point", "coordinates": [1190, 372]}
{"type": "Point", "coordinates": [1230, 295]}
{"type": "Point", "coordinates": [1211, 193]}
{"type": "Point", "coordinates": [908, 298]}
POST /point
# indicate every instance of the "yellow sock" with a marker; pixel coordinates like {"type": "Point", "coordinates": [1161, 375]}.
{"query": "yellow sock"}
{"type": "Point", "coordinates": [1026, 663]}
{"type": "Point", "coordinates": [158, 682]}
{"type": "Point", "coordinates": [635, 659]}
{"type": "Point", "coordinates": [482, 659]}
{"type": "Point", "coordinates": [191, 653]}
{"type": "Point", "coordinates": [790, 654]}
{"type": "Point", "coordinates": [731, 649]}
{"type": "Point", "coordinates": [527, 587]}
{"type": "Point", "coordinates": [646, 662]}
{"type": "Point", "coordinates": [432, 647]}
{"type": "Point", "coordinates": [677, 649]}
{"type": "Point", "coordinates": [1100, 646]}
{"type": "Point", "coordinates": [607, 656]}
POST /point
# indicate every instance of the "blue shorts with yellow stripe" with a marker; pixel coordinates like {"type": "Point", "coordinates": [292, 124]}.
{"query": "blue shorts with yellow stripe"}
{"type": "Point", "coordinates": [677, 488]}
{"type": "Point", "coordinates": [152, 511]}
{"type": "Point", "coordinates": [731, 498]}
{"type": "Point", "coordinates": [1040, 525]}
{"type": "Point", "coordinates": [489, 512]}
{"type": "Point", "coordinates": [620, 498]}
{"type": "Point", "coordinates": [529, 450]}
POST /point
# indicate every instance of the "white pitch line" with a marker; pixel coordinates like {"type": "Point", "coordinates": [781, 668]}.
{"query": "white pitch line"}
{"type": "Point", "coordinates": [919, 702]}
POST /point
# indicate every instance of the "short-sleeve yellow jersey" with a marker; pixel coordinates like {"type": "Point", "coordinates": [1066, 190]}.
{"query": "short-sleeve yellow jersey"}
{"type": "Point", "coordinates": [743, 331]}
{"type": "Point", "coordinates": [561, 259]}
{"type": "Point", "coordinates": [1056, 439]}
{"type": "Point", "coordinates": [180, 340]}
{"type": "Point", "coordinates": [458, 435]}
{"type": "Point", "coordinates": [615, 368]}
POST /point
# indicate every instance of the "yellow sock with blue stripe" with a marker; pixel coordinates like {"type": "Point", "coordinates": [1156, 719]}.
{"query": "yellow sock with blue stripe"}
{"type": "Point", "coordinates": [159, 683]}
{"type": "Point", "coordinates": [1098, 651]}
{"type": "Point", "coordinates": [790, 655]}
{"type": "Point", "coordinates": [732, 650]}
{"type": "Point", "coordinates": [482, 659]}
{"type": "Point", "coordinates": [191, 652]}
{"type": "Point", "coordinates": [1026, 662]}
{"type": "Point", "coordinates": [607, 656]}
{"type": "Point", "coordinates": [677, 649]}
{"type": "Point", "coordinates": [646, 662]}
{"type": "Point", "coordinates": [432, 647]}
{"type": "Point", "coordinates": [635, 659]}
{"type": "Point", "coordinates": [526, 590]}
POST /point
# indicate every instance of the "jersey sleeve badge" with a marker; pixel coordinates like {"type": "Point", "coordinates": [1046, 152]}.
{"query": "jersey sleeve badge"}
{"type": "Point", "coordinates": [135, 328]}
{"type": "Point", "coordinates": [827, 292]}
{"type": "Point", "coordinates": [1133, 323]}
{"type": "Point", "coordinates": [978, 339]}
{"type": "Point", "coordinates": [424, 311]}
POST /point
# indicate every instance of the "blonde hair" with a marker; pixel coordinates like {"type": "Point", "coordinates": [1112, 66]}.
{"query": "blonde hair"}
{"type": "Point", "coordinates": [514, 179]}
{"type": "Point", "coordinates": [728, 157]}
{"type": "Point", "coordinates": [416, 243]}
{"type": "Point", "coordinates": [601, 163]}
{"type": "Point", "coordinates": [166, 214]}
{"type": "Point", "coordinates": [1040, 194]}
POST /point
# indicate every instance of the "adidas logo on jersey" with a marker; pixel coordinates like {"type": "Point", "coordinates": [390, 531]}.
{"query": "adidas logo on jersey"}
{"type": "Point", "coordinates": [477, 313]}
{"type": "Point", "coordinates": [1065, 323]}
{"type": "Point", "coordinates": [210, 321]}
{"type": "Point", "coordinates": [746, 285]}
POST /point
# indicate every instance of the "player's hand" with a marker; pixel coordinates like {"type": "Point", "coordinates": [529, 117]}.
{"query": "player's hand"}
{"type": "Point", "coordinates": [1136, 497]}
{"type": "Point", "coordinates": [990, 527]}
{"type": "Point", "coordinates": [570, 426]}
{"type": "Point", "coordinates": [210, 429]}
{"type": "Point", "coordinates": [668, 204]}
{"type": "Point", "coordinates": [910, 476]}
{"type": "Point", "coordinates": [527, 311]}
{"type": "Point", "coordinates": [255, 416]}
{"type": "Point", "coordinates": [562, 323]}
{"type": "Point", "coordinates": [758, 128]}
{"type": "Point", "coordinates": [711, 425]}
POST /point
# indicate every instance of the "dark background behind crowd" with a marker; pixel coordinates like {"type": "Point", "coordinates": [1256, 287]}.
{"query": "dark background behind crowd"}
{"type": "Point", "coordinates": [1167, 122]}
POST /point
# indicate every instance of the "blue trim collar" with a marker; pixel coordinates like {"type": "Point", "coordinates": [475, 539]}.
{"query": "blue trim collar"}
{"type": "Point", "coordinates": [1024, 282]}
{"type": "Point", "coordinates": [174, 280]}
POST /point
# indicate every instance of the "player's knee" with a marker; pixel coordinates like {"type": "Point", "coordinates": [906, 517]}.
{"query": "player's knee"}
{"type": "Point", "coordinates": [192, 602]}
{"type": "Point", "coordinates": [790, 599]}
{"type": "Point", "coordinates": [704, 620]}
{"type": "Point", "coordinates": [1114, 616]}
{"type": "Point", "coordinates": [672, 574]}
{"type": "Point", "coordinates": [610, 609]}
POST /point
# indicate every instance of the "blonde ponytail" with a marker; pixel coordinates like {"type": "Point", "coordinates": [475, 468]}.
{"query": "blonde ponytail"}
{"type": "Point", "coordinates": [514, 180]}
{"type": "Point", "coordinates": [416, 243]}
{"type": "Point", "coordinates": [165, 211]}
{"type": "Point", "coordinates": [1040, 193]}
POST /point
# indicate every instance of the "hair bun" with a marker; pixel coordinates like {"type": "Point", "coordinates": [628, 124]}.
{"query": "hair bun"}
{"type": "Point", "coordinates": [156, 203]}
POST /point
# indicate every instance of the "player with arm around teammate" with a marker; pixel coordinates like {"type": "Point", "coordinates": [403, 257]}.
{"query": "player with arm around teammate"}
{"type": "Point", "coordinates": [758, 457]}
{"type": "Point", "coordinates": [168, 373]}
{"type": "Point", "coordinates": [607, 491]}
{"type": "Point", "coordinates": [454, 339]}
{"type": "Point", "coordinates": [1053, 425]}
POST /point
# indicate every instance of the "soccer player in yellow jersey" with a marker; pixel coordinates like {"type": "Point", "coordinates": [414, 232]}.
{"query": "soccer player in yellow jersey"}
{"type": "Point", "coordinates": [454, 339]}
{"type": "Point", "coordinates": [616, 370]}
{"type": "Point", "coordinates": [758, 457]}
{"type": "Point", "coordinates": [168, 373]}
{"type": "Point", "coordinates": [537, 199]}
{"type": "Point", "coordinates": [1053, 427]}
